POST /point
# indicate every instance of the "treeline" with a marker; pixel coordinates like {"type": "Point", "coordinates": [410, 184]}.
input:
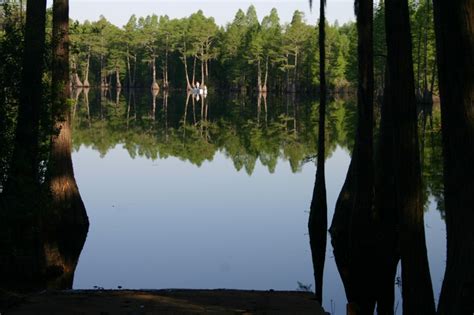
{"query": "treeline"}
{"type": "Point", "coordinates": [247, 54]}
{"type": "Point", "coordinates": [244, 55]}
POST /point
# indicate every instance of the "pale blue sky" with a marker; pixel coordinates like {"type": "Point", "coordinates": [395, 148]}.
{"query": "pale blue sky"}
{"type": "Point", "coordinates": [223, 11]}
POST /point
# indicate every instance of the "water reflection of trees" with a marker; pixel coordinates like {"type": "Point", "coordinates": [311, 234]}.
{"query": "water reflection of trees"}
{"type": "Point", "coordinates": [245, 129]}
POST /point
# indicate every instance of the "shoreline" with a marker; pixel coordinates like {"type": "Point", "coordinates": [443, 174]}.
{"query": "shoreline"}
{"type": "Point", "coordinates": [172, 301]}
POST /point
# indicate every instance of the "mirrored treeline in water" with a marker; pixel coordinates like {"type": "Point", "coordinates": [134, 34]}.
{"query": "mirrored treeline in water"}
{"type": "Point", "coordinates": [189, 183]}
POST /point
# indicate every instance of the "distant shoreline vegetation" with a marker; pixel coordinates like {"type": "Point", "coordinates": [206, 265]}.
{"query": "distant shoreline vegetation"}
{"type": "Point", "coordinates": [248, 54]}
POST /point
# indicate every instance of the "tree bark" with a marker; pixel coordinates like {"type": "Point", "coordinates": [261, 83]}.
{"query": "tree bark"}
{"type": "Point", "coordinates": [454, 22]}
{"type": "Point", "coordinates": [118, 84]}
{"type": "Point", "coordinates": [417, 288]}
{"type": "Point", "coordinates": [85, 82]}
{"type": "Point", "coordinates": [188, 84]}
{"type": "Point", "coordinates": [129, 71]}
{"type": "Point", "coordinates": [265, 81]}
{"type": "Point", "coordinates": [259, 76]}
{"type": "Point", "coordinates": [67, 207]}
{"type": "Point", "coordinates": [154, 84]}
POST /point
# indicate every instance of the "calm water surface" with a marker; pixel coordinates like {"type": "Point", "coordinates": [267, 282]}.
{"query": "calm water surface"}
{"type": "Point", "coordinates": [214, 193]}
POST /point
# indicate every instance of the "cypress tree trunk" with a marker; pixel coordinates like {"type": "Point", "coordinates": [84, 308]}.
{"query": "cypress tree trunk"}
{"type": "Point", "coordinates": [118, 84]}
{"type": "Point", "coordinates": [417, 290]}
{"type": "Point", "coordinates": [352, 227]}
{"type": "Point", "coordinates": [265, 81]}
{"type": "Point", "coordinates": [154, 84]}
{"type": "Point", "coordinates": [66, 203]}
{"type": "Point", "coordinates": [86, 75]}
{"type": "Point", "coordinates": [454, 22]}
{"type": "Point", "coordinates": [24, 167]}
{"type": "Point", "coordinates": [188, 84]}
{"type": "Point", "coordinates": [317, 224]}
{"type": "Point", "coordinates": [259, 76]}
{"type": "Point", "coordinates": [194, 71]}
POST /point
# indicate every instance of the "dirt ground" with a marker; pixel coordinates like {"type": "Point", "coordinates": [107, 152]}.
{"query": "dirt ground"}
{"type": "Point", "coordinates": [102, 302]}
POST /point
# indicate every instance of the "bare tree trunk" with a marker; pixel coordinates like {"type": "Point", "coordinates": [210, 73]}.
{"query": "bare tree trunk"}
{"type": "Point", "coordinates": [454, 23]}
{"type": "Point", "coordinates": [264, 88]}
{"type": "Point", "coordinates": [417, 288]}
{"type": "Point", "coordinates": [76, 83]}
{"type": "Point", "coordinates": [67, 208]}
{"type": "Point", "coordinates": [165, 76]}
{"type": "Point", "coordinates": [194, 71]}
{"type": "Point", "coordinates": [259, 76]}
{"type": "Point", "coordinates": [129, 72]}
{"type": "Point", "coordinates": [188, 84]}
{"type": "Point", "coordinates": [295, 73]}
{"type": "Point", "coordinates": [203, 73]}
{"type": "Point", "coordinates": [154, 85]}
{"type": "Point", "coordinates": [118, 84]}
{"type": "Point", "coordinates": [86, 72]}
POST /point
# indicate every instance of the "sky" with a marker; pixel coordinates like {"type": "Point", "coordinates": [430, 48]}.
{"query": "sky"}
{"type": "Point", "coordinates": [118, 12]}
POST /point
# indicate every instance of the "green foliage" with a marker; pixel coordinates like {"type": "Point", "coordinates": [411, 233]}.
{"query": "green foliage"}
{"type": "Point", "coordinates": [11, 52]}
{"type": "Point", "coordinates": [234, 56]}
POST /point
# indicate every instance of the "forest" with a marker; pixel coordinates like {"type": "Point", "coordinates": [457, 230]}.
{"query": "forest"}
{"type": "Point", "coordinates": [398, 56]}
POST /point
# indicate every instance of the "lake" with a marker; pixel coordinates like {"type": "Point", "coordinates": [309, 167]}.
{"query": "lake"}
{"type": "Point", "coordinates": [215, 192]}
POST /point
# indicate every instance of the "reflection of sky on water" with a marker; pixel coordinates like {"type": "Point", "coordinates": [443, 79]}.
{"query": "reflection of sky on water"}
{"type": "Point", "coordinates": [170, 224]}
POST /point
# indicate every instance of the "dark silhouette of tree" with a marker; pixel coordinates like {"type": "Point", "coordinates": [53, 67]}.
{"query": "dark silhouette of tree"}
{"type": "Point", "coordinates": [317, 224]}
{"type": "Point", "coordinates": [351, 227]}
{"type": "Point", "coordinates": [455, 52]}
{"type": "Point", "coordinates": [24, 167]}
{"type": "Point", "coordinates": [403, 158]}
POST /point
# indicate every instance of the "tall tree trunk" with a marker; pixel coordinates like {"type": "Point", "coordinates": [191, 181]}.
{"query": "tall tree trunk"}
{"type": "Point", "coordinates": [165, 77]}
{"type": "Point", "coordinates": [454, 23]}
{"type": "Point", "coordinates": [23, 174]}
{"type": "Point", "coordinates": [259, 76]}
{"type": "Point", "coordinates": [352, 225]}
{"type": "Point", "coordinates": [66, 203]}
{"type": "Point", "coordinates": [118, 84]}
{"type": "Point", "coordinates": [76, 81]}
{"type": "Point", "coordinates": [194, 71]}
{"type": "Point", "coordinates": [295, 72]}
{"type": "Point", "coordinates": [129, 72]}
{"type": "Point", "coordinates": [265, 81]}
{"type": "Point", "coordinates": [154, 84]}
{"type": "Point", "coordinates": [203, 73]}
{"type": "Point", "coordinates": [85, 82]}
{"type": "Point", "coordinates": [188, 84]}
{"type": "Point", "coordinates": [317, 224]}
{"type": "Point", "coordinates": [134, 80]}
{"type": "Point", "coordinates": [417, 289]}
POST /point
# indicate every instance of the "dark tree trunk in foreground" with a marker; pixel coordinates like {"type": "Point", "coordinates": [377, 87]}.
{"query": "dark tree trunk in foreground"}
{"type": "Point", "coordinates": [24, 167]}
{"type": "Point", "coordinates": [352, 226]}
{"type": "Point", "coordinates": [65, 198]}
{"type": "Point", "coordinates": [317, 224]}
{"type": "Point", "coordinates": [417, 290]}
{"type": "Point", "coordinates": [454, 21]}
